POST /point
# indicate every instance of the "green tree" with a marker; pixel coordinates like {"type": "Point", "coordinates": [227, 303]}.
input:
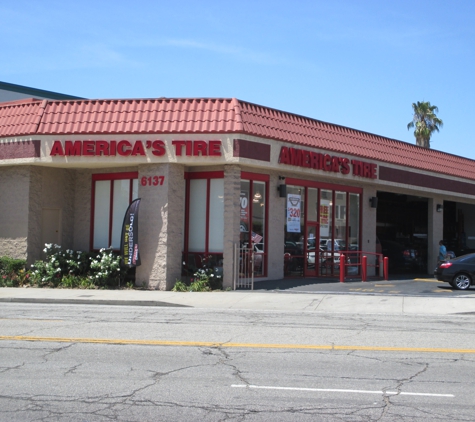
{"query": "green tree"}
{"type": "Point", "coordinates": [424, 122]}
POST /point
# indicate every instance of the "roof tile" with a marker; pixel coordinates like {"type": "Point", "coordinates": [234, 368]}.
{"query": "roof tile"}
{"type": "Point", "coordinates": [219, 115]}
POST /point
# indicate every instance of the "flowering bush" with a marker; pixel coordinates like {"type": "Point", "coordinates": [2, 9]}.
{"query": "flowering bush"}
{"type": "Point", "coordinates": [67, 268]}
{"type": "Point", "coordinates": [206, 278]}
{"type": "Point", "coordinates": [105, 267]}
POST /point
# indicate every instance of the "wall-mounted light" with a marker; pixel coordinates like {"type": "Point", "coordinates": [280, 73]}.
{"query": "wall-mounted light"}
{"type": "Point", "coordinates": [439, 208]}
{"type": "Point", "coordinates": [282, 190]}
{"type": "Point", "coordinates": [373, 201]}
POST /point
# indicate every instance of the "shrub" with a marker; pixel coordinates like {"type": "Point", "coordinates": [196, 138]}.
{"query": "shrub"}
{"type": "Point", "coordinates": [11, 265]}
{"type": "Point", "coordinates": [179, 286]}
{"type": "Point", "coordinates": [105, 268]}
{"type": "Point", "coordinates": [12, 272]}
{"type": "Point", "coordinates": [66, 268]}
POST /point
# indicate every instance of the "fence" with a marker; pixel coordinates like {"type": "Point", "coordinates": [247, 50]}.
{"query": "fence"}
{"type": "Point", "coordinates": [243, 268]}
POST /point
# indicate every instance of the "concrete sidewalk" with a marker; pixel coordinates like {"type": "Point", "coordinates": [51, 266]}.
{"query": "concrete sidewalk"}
{"type": "Point", "coordinates": [250, 300]}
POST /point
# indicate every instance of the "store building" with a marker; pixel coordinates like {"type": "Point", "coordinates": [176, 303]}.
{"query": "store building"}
{"type": "Point", "coordinates": [214, 175]}
{"type": "Point", "coordinates": [13, 92]}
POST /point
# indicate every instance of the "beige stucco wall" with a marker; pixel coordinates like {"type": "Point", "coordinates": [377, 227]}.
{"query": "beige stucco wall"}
{"type": "Point", "coordinates": [14, 193]}
{"type": "Point", "coordinates": [232, 189]}
{"type": "Point", "coordinates": [25, 191]}
{"type": "Point", "coordinates": [161, 227]}
{"type": "Point", "coordinates": [50, 188]}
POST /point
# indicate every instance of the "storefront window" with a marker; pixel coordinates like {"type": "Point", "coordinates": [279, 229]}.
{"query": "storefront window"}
{"type": "Point", "coordinates": [204, 230]}
{"type": "Point", "coordinates": [112, 194]}
{"type": "Point", "coordinates": [354, 222]}
{"type": "Point", "coordinates": [253, 227]}
{"type": "Point", "coordinates": [326, 215]}
{"type": "Point", "coordinates": [340, 221]}
{"type": "Point", "coordinates": [294, 231]}
{"type": "Point", "coordinates": [330, 225]}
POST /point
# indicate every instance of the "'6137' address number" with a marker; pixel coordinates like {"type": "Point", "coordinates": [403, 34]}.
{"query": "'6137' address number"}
{"type": "Point", "coordinates": [152, 180]}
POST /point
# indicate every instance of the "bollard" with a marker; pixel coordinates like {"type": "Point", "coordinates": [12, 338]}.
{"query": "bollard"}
{"type": "Point", "coordinates": [364, 267]}
{"type": "Point", "coordinates": [342, 268]}
{"type": "Point", "coordinates": [386, 267]}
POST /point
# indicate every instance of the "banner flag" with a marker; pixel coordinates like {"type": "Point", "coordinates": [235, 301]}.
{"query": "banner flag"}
{"type": "Point", "coordinates": [129, 245]}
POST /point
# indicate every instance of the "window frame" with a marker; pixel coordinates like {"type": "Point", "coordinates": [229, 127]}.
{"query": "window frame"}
{"type": "Point", "coordinates": [207, 175]}
{"type": "Point", "coordinates": [131, 175]}
{"type": "Point", "coordinates": [259, 177]}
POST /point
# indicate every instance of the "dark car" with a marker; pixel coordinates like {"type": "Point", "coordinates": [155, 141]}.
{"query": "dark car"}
{"type": "Point", "coordinates": [458, 272]}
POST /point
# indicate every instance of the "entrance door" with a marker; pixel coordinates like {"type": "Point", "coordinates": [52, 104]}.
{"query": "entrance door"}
{"type": "Point", "coordinates": [311, 252]}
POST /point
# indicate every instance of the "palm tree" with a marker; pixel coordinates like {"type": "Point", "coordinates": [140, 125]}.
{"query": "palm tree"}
{"type": "Point", "coordinates": [425, 122]}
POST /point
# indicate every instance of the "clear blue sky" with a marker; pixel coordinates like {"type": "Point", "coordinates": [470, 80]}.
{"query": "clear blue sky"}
{"type": "Point", "coordinates": [354, 63]}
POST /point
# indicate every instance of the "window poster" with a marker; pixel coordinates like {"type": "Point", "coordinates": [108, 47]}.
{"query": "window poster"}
{"type": "Point", "coordinates": [325, 215]}
{"type": "Point", "coordinates": [244, 200]}
{"type": "Point", "coordinates": [293, 213]}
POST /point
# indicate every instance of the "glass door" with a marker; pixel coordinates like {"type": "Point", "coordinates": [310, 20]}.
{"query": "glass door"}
{"type": "Point", "coordinates": [311, 251]}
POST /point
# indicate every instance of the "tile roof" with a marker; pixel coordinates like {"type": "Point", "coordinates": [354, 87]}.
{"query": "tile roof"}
{"type": "Point", "coordinates": [216, 115]}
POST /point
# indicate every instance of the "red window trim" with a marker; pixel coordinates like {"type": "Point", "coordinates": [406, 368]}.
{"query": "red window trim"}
{"type": "Point", "coordinates": [108, 176]}
{"type": "Point", "coordinates": [259, 177]}
{"type": "Point", "coordinates": [322, 185]}
{"type": "Point", "coordinates": [255, 176]}
{"type": "Point", "coordinates": [205, 175]}
{"type": "Point", "coordinates": [115, 176]}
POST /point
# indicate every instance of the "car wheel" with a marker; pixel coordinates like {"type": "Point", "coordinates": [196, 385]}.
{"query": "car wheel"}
{"type": "Point", "coordinates": [461, 282]}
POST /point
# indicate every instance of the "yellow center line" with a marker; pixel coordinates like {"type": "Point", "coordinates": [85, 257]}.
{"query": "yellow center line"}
{"type": "Point", "coordinates": [428, 280]}
{"type": "Point", "coordinates": [234, 345]}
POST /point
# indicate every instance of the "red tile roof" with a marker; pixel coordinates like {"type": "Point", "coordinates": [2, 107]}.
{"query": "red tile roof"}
{"type": "Point", "coordinates": [220, 115]}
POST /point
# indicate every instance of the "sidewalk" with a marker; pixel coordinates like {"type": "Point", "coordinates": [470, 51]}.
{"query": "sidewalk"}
{"type": "Point", "coordinates": [250, 300]}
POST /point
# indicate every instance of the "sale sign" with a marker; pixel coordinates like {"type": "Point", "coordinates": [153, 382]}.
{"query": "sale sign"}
{"type": "Point", "coordinates": [293, 213]}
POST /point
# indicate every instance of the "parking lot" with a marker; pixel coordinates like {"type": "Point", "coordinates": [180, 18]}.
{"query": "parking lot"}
{"type": "Point", "coordinates": [409, 285]}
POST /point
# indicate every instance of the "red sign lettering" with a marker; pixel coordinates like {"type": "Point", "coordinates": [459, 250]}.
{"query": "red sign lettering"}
{"type": "Point", "coordinates": [326, 162]}
{"type": "Point", "coordinates": [127, 148]}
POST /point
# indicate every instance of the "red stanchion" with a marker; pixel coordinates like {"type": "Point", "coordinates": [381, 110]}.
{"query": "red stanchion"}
{"type": "Point", "coordinates": [386, 268]}
{"type": "Point", "coordinates": [342, 268]}
{"type": "Point", "coordinates": [364, 267]}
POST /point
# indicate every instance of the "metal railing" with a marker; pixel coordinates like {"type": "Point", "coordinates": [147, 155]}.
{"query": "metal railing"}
{"type": "Point", "coordinates": [359, 262]}
{"type": "Point", "coordinates": [243, 268]}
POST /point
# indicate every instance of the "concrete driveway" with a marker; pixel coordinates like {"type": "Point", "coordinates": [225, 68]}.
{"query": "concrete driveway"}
{"type": "Point", "coordinates": [411, 285]}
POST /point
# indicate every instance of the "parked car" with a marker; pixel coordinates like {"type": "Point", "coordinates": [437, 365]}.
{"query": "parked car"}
{"type": "Point", "coordinates": [458, 272]}
{"type": "Point", "coordinates": [338, 244]}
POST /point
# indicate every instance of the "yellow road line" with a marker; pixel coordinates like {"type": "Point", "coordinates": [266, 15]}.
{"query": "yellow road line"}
{"type": "Point", "coordinates": [428, 280]}
{"type": "Point", "coordinates": [234, 345]}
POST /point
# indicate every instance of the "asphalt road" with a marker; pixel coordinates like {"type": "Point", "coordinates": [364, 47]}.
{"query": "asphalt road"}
{"type": "Point", "coordinates": [96, 363]}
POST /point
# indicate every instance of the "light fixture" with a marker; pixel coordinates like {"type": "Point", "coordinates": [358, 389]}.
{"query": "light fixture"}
{"type": "Point", "coordinates": [282, 190]}
{"type": "Point", "coordinates": [257, 195]}
{"type": "Point", "coordinates": [373, 200]}
{"type": "Point", "coordinates": [439, 208]}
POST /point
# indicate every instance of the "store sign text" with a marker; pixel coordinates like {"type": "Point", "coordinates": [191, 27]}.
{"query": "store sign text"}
{"type": "Point", "coordinates": [326, 162]}
{"type": "Point", "coordinates": [152, 180]}
{"type": "Point", "coordinates": [135, 148]}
